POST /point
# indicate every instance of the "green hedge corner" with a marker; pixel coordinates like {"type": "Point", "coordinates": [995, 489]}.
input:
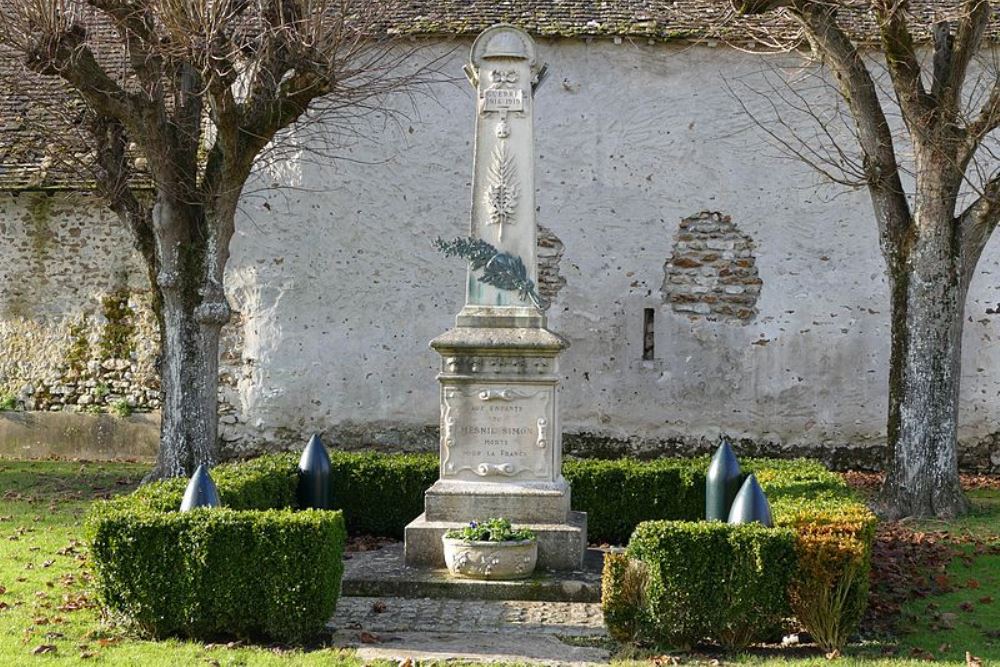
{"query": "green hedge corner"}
{"type": "Point", "coordinates": [256, 567]}
{"type": "Point", "coordinates": [711, 579]}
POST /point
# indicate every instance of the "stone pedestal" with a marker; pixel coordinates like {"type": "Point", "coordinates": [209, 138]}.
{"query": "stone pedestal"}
{"type": "Point", "coordinates": [501, 440]}
{"type": "Point", "coordinates": [501, 444]}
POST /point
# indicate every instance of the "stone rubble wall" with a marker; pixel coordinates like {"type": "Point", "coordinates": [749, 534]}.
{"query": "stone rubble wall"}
{"type": "Point", "coordinates": [76, 330]}
{"type": "Point", "coordinates": [550, 252]}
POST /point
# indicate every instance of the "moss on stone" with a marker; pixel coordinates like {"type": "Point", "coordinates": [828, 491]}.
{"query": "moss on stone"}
{"type": "Point", "coordinates": [40, 213]}
{"type": "Point", "coordinates": [78, 353]}
{"type": "Point", "coordinates": [118, 336]}
{"type": "Point", "coordinates": [8, 401]}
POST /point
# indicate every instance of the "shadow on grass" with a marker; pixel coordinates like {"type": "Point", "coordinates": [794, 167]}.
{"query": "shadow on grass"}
{"type": "Point", "coordinates": [44, 481]}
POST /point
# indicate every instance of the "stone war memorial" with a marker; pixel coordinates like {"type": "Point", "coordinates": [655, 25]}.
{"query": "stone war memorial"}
{"type": "Point", "coordinates": [389, 465]}
{"type": "Point", "coordinates": [501, 445]}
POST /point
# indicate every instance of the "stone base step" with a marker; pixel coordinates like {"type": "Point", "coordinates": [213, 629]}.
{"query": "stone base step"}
{"type": "Point", "coordinates": [382, 573]}
{"type": "Point", "coordinates": [560, 545]}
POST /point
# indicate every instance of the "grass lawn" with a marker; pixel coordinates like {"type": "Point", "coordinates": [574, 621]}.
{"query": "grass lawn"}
{"type": "Point", "coordinates": [47, 613]}
{"type": "Point", "coordinates": [966, 616]}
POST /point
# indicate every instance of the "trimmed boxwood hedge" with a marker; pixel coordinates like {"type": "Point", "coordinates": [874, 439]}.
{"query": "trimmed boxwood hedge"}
{"type": "Point", "coordinates": [618, 495]}
{"type": "Point", "coordinates": [379, 494]}
{"type": "Point", "coordinates": [711, 579]}
{"type": "Point", "coordinates": [266, 482]}
{"type": "Point", "coordinates": [255, 567]}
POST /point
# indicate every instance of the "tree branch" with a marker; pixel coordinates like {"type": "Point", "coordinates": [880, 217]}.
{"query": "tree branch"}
{"type": "Point", "coordinates": [830, 43]}
{"type": "Point", "coordinates": [113, 173]}
{"type": "Point", "coordinates": [66, 55]}
{"type": "Point", "coordinates": [953, 53]}
{"type": "Point", "coordinates": [904, 67]}
{"type": "Point", "coordinates": [976, 225]}
{"type": "Point", "coordinates": [133, 24]}
{"type": "Point", "coordinates": [270, 114]}
{"type": "Point", "coordinates": [874, 134]}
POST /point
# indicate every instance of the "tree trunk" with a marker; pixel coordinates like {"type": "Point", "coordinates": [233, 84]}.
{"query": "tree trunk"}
{"type": "Point", "coordinates": [189, 373]}
{"type": "Point", "coordinates": [928, 300]}
{"type": "Point", "coordinates": [193, 313]}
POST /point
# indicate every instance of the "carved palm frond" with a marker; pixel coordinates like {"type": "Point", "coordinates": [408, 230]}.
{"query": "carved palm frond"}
{"type": "Point", "coordinates": [502, 194]}
{"type": "Point", "coordinates": [500, 269]}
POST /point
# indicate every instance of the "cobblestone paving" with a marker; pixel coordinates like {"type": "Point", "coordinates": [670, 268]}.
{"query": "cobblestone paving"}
{"type": "Point", "coordinates": [458, 616]}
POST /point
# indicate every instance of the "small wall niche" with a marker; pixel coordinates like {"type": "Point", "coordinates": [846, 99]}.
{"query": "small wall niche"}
{"type": "Point", "coordinates": [648, 334]}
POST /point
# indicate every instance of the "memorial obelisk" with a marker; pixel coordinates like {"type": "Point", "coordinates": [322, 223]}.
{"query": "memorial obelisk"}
{"type": "Point", "coordinates": [501, 443]}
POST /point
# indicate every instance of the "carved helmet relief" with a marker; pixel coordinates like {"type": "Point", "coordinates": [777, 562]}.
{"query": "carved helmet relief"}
{"type": "Point", "coordinates": [506, 44]}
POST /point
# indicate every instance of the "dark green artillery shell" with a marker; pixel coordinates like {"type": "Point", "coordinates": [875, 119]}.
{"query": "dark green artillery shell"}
{"type": "Point", "coordinates": [722, 483]}
{"type": "Point", "coordinates": [201, 491]}
{"type": "Point", "coordinates": [751, 504]}
{"type": "Point", "coordinates": [314, 476]}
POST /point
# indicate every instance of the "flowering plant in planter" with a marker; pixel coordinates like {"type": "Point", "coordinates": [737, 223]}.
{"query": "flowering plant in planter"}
{"type": "Point", "coordinates": [490, 549]}
{"type": "Point", "coordinates": [490, 530]}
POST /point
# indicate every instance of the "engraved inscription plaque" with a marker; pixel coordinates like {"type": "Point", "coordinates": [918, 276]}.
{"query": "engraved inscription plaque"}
{"type": "Point", "coordinates": [496, 431]}
{"type": "Point", "coordinates": [503, 99]}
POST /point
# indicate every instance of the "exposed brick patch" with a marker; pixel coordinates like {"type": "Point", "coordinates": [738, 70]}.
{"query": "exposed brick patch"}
{"type": "Point", "coordinates": [550, 252]}
{"type": "Point", "coordinates": [712, 272]}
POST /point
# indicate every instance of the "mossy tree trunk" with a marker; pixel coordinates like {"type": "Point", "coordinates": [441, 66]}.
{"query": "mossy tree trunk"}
{"type": "Point", "coordinates": [193, 311]}
{"type": "Point", "coordinates": [927, 307]}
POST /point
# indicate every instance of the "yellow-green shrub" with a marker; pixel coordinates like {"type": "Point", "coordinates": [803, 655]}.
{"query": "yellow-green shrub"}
{"type": "Point", "coordinates": [623, 595]}
{"type": "Point", "coordinates": [830, 590]}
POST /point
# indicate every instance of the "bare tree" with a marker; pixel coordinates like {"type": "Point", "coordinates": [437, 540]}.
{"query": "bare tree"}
{"type": "Point", "coordinates": [198, 90]}
{"type": "Point", "coordinates": [930, 240]}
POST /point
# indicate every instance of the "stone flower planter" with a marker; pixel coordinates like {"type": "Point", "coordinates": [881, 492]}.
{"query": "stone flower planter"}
{"type": "Point", "coordinates": [490, 560]}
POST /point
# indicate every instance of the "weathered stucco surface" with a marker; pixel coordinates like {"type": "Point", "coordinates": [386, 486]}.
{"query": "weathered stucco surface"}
{"type": "Point", "coordinates": [339, 290]}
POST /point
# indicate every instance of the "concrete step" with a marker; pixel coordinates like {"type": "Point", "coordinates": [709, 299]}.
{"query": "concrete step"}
{"type": "Point", "coordinates": [382, 573]}
{"type": "Point", "coordinates": [491, 631]}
